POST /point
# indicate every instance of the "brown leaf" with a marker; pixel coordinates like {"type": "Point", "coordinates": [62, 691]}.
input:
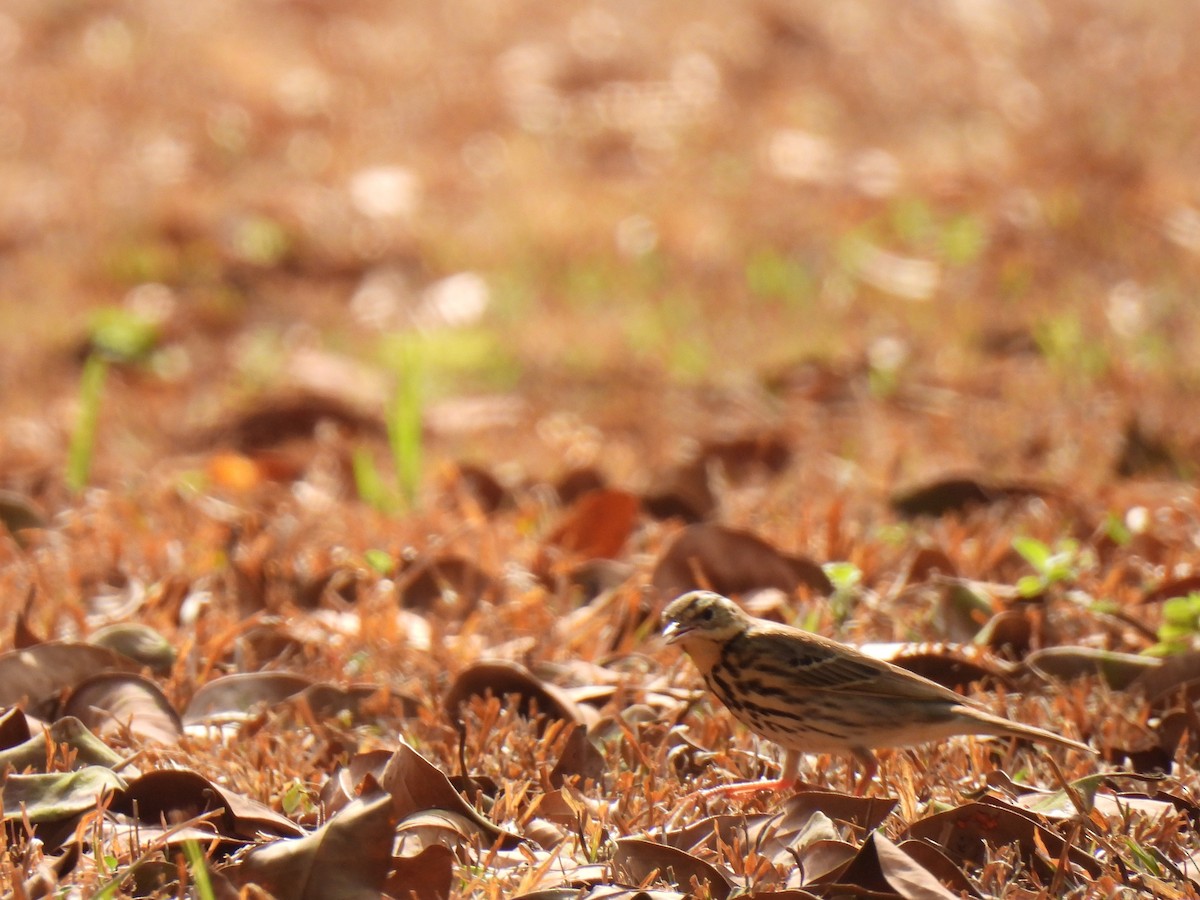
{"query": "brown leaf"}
{"type": "Point", "coordinates": [594, 577]}
{"type": "Point", "coordinates": [85, 749]}
{"type": "Point", "coordinates": [348, 858]}
{"type": "Point", "coordinates": [1161, 684]}
{"type": "Point", "coordinates": [356, 701]}
{"type": "Point", "coordinates": [866, 813]}
{"type": "Point", "coordinates": [823, 859]}
{"type": "Point", "coordinates": [235, 697]}
{"type": "Point", "coordinates": [926, 563]}
{"type": "Point", "coordinates": [177, 795]}
{"type": "Point", "coordinates": [24, 634]}
{"type": "Point", "coordinates": [480, 485]}
{"type": "Point", "coordinates": [966, 832]}
{"type": "Point", "coordinates": [36, 674]}
{"type": "Point", "coordinates": [1010, 632]}
{"type": "Point", "coordinates": [881, 866]}
{"type": "Point", "coordinates": [782, 835]}
{"type": "Point", "coordinates": [139, 642]}
{"type": "Point", "coordinates": [440, 828]}
{"type": "Point", "coordinates": [731, 562]}
{"type": "Point", "coordinates": [417, 785]}
{"type": "Point", "coordinates": [683, 493]}
{"type": "Point", "coordinates": [1119, 670]}
{"type": "Point", "coordinates": [17, 513]}
{"type": "Point", "coordinates": [113, 703]}
{"type": "Point", "coordinates": [450, 584]}
{"type": "Point", "coordinates": [56, 796]}
{"type": "Point", "coordinates": [956, 666]}
{"type": "Point", "coordinates": [427, 876]}
{"type": "Point", "coordinates": [348, 781]}
{"type": "Point", "coordinates": [577, 482]}
{"type": "Point", "coordinates": [930, 857]}
{"type": "Point", "coordinates": [1175, 587]}
{"type": "Point", "coordinates": [278, 420]}
{"type": "Point", "coordinates": [637, 860]}
{"type": "Point", "coordinates": [956, 495]}
{"type": "Point", "coordinates": [743, 457]}
{"type": "Point", "coordinates": [14, 728]}
{"type": "Point", "coordinates": [597, 525]}
{"type": "Point", "coordinates": [579, 758]}
{"type": "Point", "coordinates": [1150, 454]}
{"type": "Point", "coordinates": [501, 678]}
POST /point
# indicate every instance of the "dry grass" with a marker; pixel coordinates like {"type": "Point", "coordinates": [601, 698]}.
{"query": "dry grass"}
{"type": "Point", "coordinates": [908, 241]}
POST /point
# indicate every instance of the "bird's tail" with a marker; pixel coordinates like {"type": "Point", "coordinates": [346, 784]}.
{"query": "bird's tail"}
{"type": "Point", "coordinates": [1006, 728]}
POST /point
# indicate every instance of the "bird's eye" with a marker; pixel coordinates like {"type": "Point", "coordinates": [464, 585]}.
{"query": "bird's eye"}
{"type": "Point", "coordinates": [707, 614]}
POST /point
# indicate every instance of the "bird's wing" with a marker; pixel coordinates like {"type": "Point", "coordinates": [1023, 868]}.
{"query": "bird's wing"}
{"type": "Point", "coordinates": [815, 663]}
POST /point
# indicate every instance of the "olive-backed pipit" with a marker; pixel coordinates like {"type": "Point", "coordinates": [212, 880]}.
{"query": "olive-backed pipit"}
{"type": "Point", "coordinates": [810, 694]}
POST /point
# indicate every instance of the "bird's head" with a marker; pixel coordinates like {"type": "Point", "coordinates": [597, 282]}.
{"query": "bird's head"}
{"type": "Point", "coordinates": [703, 616]}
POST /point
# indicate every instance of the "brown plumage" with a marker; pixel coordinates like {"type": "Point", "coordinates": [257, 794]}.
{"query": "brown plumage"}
{"type": "Point", "coordinates": [810, 694]}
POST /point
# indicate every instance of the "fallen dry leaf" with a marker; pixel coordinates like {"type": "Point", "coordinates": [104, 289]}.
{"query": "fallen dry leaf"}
{"type": "Point", "coordinates": [348, 858]}
{"type": "Point", "coordinates": [730, 561]}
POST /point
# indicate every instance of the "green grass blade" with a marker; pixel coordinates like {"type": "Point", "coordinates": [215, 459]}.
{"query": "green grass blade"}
{"type": "Point", "coordinates": [83, 439]}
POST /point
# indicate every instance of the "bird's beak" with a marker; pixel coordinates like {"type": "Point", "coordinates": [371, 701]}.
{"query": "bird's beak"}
{"type": "Point", "coordinates": [673, 632]}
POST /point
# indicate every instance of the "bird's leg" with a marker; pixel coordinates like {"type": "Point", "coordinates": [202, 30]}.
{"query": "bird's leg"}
{"type": "Point", "coordinates": [870, 765]}
{"type": "Point", "coordinates": [787, 777]}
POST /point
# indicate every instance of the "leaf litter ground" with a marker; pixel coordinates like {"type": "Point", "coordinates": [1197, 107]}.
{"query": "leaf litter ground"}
{"type": "Point", "coordinates": [444, 345]}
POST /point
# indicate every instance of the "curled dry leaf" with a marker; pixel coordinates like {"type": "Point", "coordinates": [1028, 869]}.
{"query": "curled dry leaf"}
{"type": "Point", "coordinates": [1011, 632]}
{"type": "Point", "coordinates": [866, 813]}
{"type": "Point", "coordinates": [1090, 794]}
{"type": "Point", "coordinates": [417, 786]}
{"type": "Point", "coordinates": [331, 702]}
{"type": "Point", "coordinates": [346, 783]}
{"type": "Point", "coordinates": [580, 759]}
{"type": "Point", "coordinates": [1162, 684]}
{"type": "Point", "coordinates": [1119, 670]}
{"type": "Point", "coordinates": [638, 860]}
{"type": "Point", "coordinates": [85, 748]}
{"type": "Point", "coordinates": [597, 889]}
{"type": "Point", "coordinates": [927, 563]}
{"type": "Point", "coordinates": [348, 858]}
{"type": "Point", "coordinates": [139, 642]}
{"type": "Point", "coordinates": [236, 697]}
{"type": "Point", "coordinates": [14, 728]}
{"type": "Point", "coordinates": [438, 828]}
{"type": "Point", "coordinates": [427, 876]}
{"type": "Point", "coordinates": [501, 678]}
{"type": "Point", "coordinates": [781, 836]}
{"type": "Point", "coordinates": [56, 796]}
{"type": "Point", "coordinates": [177, 795]}
{"type": "Point", "coordinates": [881, 866]}
{"type": "Point", "coordinates": [938, 864]}
{"type": "Point", "coordinates": [822, 859]}
{"type": "Point", "coordinates": [115, 703]}
{"type": "Point", "coordinates": [37, 674]}
{"type": "Point", "coordinates": [955, 666]}
{"type": "Point", "coordinates": [732, 562]}
{"type": "Point", "coordinates": [966, 832]}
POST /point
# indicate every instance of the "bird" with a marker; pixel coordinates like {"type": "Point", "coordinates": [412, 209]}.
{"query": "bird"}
{"type": "Point", "coordinates": [811, 694]}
